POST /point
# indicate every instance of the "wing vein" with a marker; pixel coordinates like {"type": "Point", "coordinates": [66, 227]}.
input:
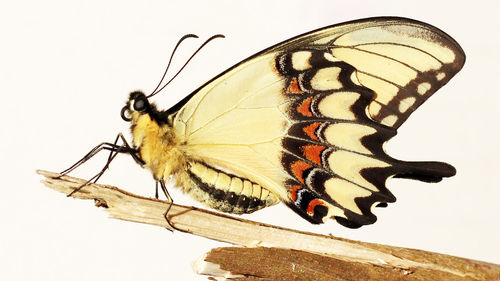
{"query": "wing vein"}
{"type": "Point", "coordinates": [402, 45]}
{"type": "Point", "coordinates": [383, 56]}
{"type": "Point", "coordinates": [237, 104]}
{"type": "Point", "coordinates": [328, 171]}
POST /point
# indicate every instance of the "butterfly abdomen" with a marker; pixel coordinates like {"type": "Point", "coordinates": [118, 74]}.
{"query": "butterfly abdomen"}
{"type": "Point", "coordinates": [226, 192]}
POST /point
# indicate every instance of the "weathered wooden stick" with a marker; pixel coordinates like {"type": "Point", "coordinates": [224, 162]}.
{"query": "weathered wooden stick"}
{"type": "Point", "coordinates": [249, 264]}
{"type": "Point", "coordinates": [319, 253]}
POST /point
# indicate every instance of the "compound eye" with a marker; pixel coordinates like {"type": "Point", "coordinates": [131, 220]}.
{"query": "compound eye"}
{"type": "Point", "coordinates": [140, 104]}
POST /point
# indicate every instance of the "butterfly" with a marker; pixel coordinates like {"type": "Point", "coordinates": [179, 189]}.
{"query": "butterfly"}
{"type": "Point", "coordinates": [303, 122]}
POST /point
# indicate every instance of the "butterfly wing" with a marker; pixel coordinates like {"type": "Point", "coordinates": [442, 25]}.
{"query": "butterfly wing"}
{"type": "Point", "coordinates": [307, 119]}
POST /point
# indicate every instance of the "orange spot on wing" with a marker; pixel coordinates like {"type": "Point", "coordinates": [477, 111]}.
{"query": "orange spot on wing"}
{"type": "Point", "coordinates": [293, 192]}
{"type": "Point", "coordinates": [313, 204]}
{"type": "Point", "coordinates": [313, 152]}
{"type": "Point", "coordinates": [293, 88]}
{"type": "Point", "coordinates": [311, 130]}
{"type": "Point", "coordinates": [298, 168]}
{"type": "Point", "coordinates": [305, 107]}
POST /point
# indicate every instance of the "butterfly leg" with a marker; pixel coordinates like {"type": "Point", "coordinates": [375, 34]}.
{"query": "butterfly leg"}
{"type": "Point", "coordinates": [89, 155]}
{"type": "Point", "coordinates": [170, 203]}
{"type": "Point", "coordinates": [156, 190]}
{"type": "Point", "coordinates": [114, 149]}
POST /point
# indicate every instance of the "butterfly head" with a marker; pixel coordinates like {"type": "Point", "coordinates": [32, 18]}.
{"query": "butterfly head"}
{"type": "Point", "coordinates": [137, 103]}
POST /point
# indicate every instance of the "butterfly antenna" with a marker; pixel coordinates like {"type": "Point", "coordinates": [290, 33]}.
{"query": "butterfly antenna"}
{"type": "Point", "coordinates": [170, 61]}
{"type": "Point", "coordinates": [192, 56]}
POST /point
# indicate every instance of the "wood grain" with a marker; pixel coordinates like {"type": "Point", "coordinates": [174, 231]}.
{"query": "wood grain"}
{"type": "Point", "coordinates": [268, 254]}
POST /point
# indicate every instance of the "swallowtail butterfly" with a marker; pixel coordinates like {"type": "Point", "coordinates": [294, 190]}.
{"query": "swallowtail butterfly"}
{"type": "Point", "coordinates": [303, 122]}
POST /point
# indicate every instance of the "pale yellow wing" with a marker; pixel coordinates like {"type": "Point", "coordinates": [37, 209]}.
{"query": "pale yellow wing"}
{"type": "Point", "coordinates": [237, 122]}
{"type": "Point", "coordinates": [307, 118]}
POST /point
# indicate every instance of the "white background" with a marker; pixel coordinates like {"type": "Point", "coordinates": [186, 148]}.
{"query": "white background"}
{"type": "Point", "coordinates": [66, 68]}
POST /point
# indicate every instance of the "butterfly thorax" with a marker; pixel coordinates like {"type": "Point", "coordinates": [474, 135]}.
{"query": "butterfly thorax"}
{"type": "Point", "coordinates": [157, 145]}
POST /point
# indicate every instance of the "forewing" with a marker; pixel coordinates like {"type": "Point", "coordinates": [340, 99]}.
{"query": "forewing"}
{"type": "Point", "coordinates": [401, 60]}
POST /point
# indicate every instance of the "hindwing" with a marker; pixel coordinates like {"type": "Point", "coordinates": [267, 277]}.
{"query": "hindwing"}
{"type": "Point", "coordinates": [307, 119]}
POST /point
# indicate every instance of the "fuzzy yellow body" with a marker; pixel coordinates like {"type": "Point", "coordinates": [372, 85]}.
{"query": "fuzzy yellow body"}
{"type": "Point", "coordinates": [162, 154]}
{"type": "Point", "coordinates": [158, 147]}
